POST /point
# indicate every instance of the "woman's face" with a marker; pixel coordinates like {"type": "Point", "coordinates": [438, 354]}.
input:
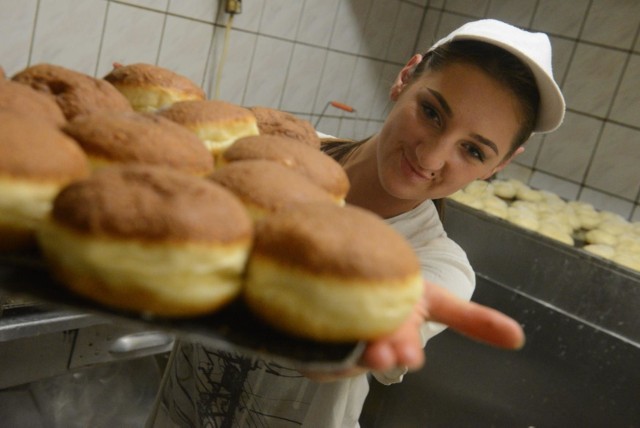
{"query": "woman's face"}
{"type": "Point", "coordinates": [446, 129]}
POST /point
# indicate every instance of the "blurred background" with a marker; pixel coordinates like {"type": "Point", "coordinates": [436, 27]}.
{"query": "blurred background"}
{"type": "Point", "coordinates": [297, 55]}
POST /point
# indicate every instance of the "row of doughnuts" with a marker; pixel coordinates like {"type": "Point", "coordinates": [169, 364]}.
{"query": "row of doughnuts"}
{"type": "Point", "coordinates": [173, 205]}
{"type": "Point", "coordinates": [575, 223]}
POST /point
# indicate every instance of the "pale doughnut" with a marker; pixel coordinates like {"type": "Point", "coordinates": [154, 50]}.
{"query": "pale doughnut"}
{"type": "Point", "coordinates": [602, 250]}
{"type": "Point", "coordinates": [504, 189]}
{"type": "Point", "coordinates": [555, 232]}
{"type": "Point", "coordinates": [597, 236]}
{"type": "Point", "coordinates": [331, 273]}
{"type": "Point", "coordinates": [148, 239]}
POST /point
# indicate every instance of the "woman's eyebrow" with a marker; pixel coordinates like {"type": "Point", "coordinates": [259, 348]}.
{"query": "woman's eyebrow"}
{"type": "Point", "coordinates": [487, 142]}
{"type": "Point", "coordinates": [443, 103]}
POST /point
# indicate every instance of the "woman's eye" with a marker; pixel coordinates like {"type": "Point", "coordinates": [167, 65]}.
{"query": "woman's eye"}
{"type": "Point", "coordinates": [431, 113]}
{"type": "Point", "coordinates": [475, 152]}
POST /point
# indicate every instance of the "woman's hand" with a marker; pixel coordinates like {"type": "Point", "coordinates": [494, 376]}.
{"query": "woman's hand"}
{"type": "Point", "coordinates": [403, 347]}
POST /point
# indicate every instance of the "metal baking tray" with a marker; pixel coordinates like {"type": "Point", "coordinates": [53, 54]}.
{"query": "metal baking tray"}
{"type": "Point", "coordinates": [233, 328]}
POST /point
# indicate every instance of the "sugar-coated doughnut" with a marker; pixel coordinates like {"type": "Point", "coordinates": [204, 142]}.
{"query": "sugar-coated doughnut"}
{"type": "Point", "coordinates": [27, 101]}
{"type": "Point", "coordinates": [36, 161]}
{"type": "Point", "coordinates": [277, 122]}
{"type": "Point", "coordinates": [315, 165]}
{"type": "Point", "coordinates": [75, 93]}
{"type": "Point", "coordinates": [150, 87]}
{"type": "Point", "coordinates": [218, 124]}
{"type": "Point", "coordinates": [266, 186]}
{"type": "Point", "coordinates": [132, 137]}
{"type": "Point", "coordinates": [331, 273]}
{"type": "Point", "coordinates": [148, 239]}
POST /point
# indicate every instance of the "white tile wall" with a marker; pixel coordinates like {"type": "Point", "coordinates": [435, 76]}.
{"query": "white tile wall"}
{"type": "Point", "coordinates": [300, 54]}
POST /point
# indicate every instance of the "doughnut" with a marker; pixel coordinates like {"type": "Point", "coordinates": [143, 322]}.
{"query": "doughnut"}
{"type": "Point", "coordinates": [149, 240]}
{"type": "Point", "coordinates": [331, 273]}
{"type": "Point", "coordinates": [74, 92]}
{"type": "Point", "coordinates": [25, 100]}
{"type": "Point", "coordinates": [495, 206]}
{"type": "Point", "coordinates": [36, 161]}
{"type": "Point", "coordinates": [132, 137]}
{"type": "Point", "coordinates": [277, 122]}
{"type": "Point", "coordinates": [217, 123]}
{"type": "Point", "coordinates": [601, 250]}
{"type": "Point", "coordinates": [597, 236]}
{"type": "Point", "coordinates": [266, 186]}
{"type": "Point", "coordinates": [556, 232]}
{"type": "Point", "coordinates": [479, 188]}
{"type": "Point", "coordinates": [526, 193]}
{"type": "Point", "coordinates": [314, 164]}
{"type": "Point", "coordinates": [149, 87]}
{"type": "Point", "coordinates": [504, 189]}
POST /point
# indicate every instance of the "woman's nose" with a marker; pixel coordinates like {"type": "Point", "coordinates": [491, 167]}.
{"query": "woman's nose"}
{"type": "Point", "coordinates": [431, 155]}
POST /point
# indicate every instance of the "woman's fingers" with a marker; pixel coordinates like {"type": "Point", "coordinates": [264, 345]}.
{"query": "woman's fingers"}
{"type": "Point", "coordinates": [473, 320]}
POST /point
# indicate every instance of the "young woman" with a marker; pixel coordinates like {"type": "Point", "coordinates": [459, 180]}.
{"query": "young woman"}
{"type": "Point", "coordinates": [461, 112]}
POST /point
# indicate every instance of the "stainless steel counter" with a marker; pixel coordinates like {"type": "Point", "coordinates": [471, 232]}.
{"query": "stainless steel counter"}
{"type": "Point", "coordinates": [579, 367]}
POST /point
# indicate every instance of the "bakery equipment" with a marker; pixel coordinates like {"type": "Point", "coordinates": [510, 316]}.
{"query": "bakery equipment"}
{"type": "Point", "coordinates": [579, 366]}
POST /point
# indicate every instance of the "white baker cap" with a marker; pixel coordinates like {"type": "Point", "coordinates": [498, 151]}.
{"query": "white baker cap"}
{"type": "Point", "coordinates": [534, 49]}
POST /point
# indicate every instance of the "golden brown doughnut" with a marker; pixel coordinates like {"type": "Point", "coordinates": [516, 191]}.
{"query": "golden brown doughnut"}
{"type": "Point", "coordinates": [36, 161]}
{"type": "Point", "coordinates": [314, 164]}
{"type": "Point", "coordinates": [265, 186]}
{"type": "Point", "coordinates": [150, 87]}
{"type": "Point", "coordinates": [75, 93]}
{"type": "Point", "coordinates": [277, 122]}
{"type": "Point", "coordinates": [217, 123]}
{"type": "Point", "coordinates": [148, 239]}
{"type": "Point", "coordinates": [132, 137]}
{"type": "Point", "coordinates": [23, 99]}
{"type": "Point", "coordinates": [331, 273]}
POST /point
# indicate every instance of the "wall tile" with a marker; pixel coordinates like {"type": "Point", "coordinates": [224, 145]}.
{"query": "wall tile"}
{"type": "Point", "coordinates": [561, 57]}
{"type": "Point", "coordinates": [363, 87]}
{"type": "Point", "coordinates": [317, 22]}
{"type": "Point", "coordinates": [604, 202]}
{"type": "Point", "coordinates": [379, 28]}
{"type": "Point", "coordinates": [560, 18]}
{"type": "Point", "coordinates": [203, 10]}
{"type": "Point", "coordinates": [516, 172]}
{"type": "Point", "coordinates": [235, 70]}
{"type": "Point", "coordinates": [303, 78]}
{"type": "Point", "coordinates": [327, 125]}
{"type": "Point", "coordinates": [592, 78]}
{"type": "Point", "coordinates": [349, 25]}
{"type": "Point", "coordinates": [476, 8]}
{"type": "Point", "coordinates": [16, 24]}
{"type": "Point", "coordinates": [77, 47]}
{"type": "Point", "coordinates": [336, 78]}
{"type": "Point", "coordinates": [159, 5]}
{"type": "Point", "coordinates": [402, 43]}
{"type": "Point", "coordinates": [248, 19]}
{"type": "Point", "coordinates": [131, 35]}
{"type": "Point", "coordinates": [626, 107]}
{"type": "Point", "coordinates": [450, 22]}
{"type": "Point", "coordinates": [280, 18]}
{"type": "Point", "coordinates": [515, 12]}
{"type": "Point", "coordinates": [381, 104]}
{"type": "Point", "coordinates": [566, 152]}
{"type": "Point", "coordinates": [429, 30]}
{"type": "Point", "coordinates": [565, 189]}
{"type": "Point", "coordinates": [268, 72]}
{"type": "Point", "coordinates": [373, 126]}
{"type": "Point", "coordinates": [532, 148]}
{"type": "Point", "coordinates": [185, 47]}
{"type": "Point", "coordinates": [615, 165]}
{"type": "Point", "coordinates": [605, 15]}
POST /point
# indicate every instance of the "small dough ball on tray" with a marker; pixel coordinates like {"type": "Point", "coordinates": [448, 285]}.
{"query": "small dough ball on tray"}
{"type": "Point", "coordinates": [150, 240]}
{"type": "Point", "coordinates": [330, 273]}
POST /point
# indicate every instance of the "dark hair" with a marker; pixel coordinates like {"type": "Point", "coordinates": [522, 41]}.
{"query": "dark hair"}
{"type": "Point", "coordinates": [503, 66]}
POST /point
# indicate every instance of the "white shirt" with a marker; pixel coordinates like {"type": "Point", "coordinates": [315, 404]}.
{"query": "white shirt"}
{"type": "Point", "coordinates": [262, 393]}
